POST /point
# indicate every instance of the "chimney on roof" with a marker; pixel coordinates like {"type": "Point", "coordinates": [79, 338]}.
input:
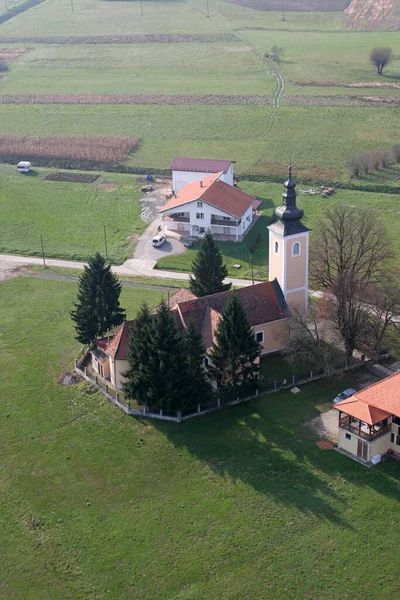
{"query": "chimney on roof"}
{"type": "Point", "coordinates": [201, 183]}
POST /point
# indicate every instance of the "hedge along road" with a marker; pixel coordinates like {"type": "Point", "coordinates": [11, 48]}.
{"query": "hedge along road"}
{"type": "Point", "coordinates": [143, 268]}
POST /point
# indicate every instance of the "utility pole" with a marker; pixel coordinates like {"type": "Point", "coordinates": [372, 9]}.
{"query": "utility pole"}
{"type": "Point", "coordinates": [208, 9]}
{"type": "Point", "coordinates": [72, 6]}
{"type": "Point", "coordinates": [141, 9]}
{"type": "Point", "coordinates": [383, 10]}
{"type": "Point", "coordinates": [283, 10]}
{"type": "Point", "coordinates": [44, 261]}
{"type": "Point", "coordinates": [105, 241]}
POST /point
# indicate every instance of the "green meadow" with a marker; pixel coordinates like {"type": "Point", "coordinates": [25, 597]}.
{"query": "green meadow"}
{"type": "Point", "coordinates": [242, 504]}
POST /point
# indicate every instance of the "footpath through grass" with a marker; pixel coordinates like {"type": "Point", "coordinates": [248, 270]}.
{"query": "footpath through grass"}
{"type": "Point", "coordinates": [242, 504]}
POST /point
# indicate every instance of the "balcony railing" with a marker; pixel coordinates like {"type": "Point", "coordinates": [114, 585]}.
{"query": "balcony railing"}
{"type": "Point", "coordinates": [177, 219]}
{"type": "Point", "coordinates": [360, 432]}
{"type": "Point", "coordinates": [223, 223]}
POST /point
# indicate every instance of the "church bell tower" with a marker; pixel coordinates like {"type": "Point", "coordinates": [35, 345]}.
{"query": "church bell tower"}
{"type": "Point", "coordinates": [288, 249]}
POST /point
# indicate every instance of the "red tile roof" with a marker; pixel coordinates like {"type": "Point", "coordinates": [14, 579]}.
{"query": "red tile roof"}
{"type": "Point", "coordinates": [263, 302]}
{"type": "Point", "coordinates": [217, 193]}
{"type": "Point", "coordinates": [118, 347]}
{"type": "Point", "coordinates": [182, 295]}
{"type": "Point", "coordinates": [376, 402]}
{"type": "Point", "coordinates": [200, 165]}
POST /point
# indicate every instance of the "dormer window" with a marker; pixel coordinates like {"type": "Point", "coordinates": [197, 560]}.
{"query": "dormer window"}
{"type": "Point", "coordinates": [276, 248]}
{"type": "Point", "coordinates": [296, 249]}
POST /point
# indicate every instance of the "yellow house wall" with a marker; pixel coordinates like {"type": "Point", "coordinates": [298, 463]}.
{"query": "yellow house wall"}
{"type": "Point", "coordinates": [274, 335]}
{"type": "Point", "coordinates": [380, 446]}
{"type": "Point", "coordinates": [348, 445]}
{"type": "Point", "coordinates": [296, 267]}
{"type": "Point", "coordinates": [275, 260]}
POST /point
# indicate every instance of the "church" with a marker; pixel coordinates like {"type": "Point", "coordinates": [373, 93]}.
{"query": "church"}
{"type": "Point", "coordinates": [267, 304]}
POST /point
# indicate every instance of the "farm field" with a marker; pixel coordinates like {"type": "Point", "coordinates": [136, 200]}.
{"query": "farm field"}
{"type": "Point", "coordinates": [69, 216]}
{"type": "Point", "coordinates": [385, 205]}
{"type": "Point", "coordinates": [321, 59]}
{"type": "Point", "coordinates": [242, 504]}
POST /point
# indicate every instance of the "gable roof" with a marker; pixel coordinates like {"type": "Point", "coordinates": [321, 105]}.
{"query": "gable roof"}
{"type": "Point", "coordinates": [376, 402]}
{"type": "Point", "coordinates": [200, 165]}
{"type": "Point", "coordinates": [263, 303]}
{"type": "Point", "coordinates": [182, 295]}
{"type": "Point", "coordinates": [118, 347]}
{"type": "Point", "coordinates": [217, 193]}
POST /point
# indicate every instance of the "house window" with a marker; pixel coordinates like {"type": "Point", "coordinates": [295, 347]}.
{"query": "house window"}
{"type": "Point", "coordinates": [199, 205]}
{"type": "Point", "coordinates": [276, 248]}
{"type": "Point", "coordinates": [260, 337]}
{"type": "Point", "coordinates": [347, 436]}
{"type": "Point", "coordinates": [226, 230]}
{"type": "Point", "coordinates": [296, 249]}
{"type": "Point", "coordinates": [248, 217]}
{"type": "Point", "coordinates": [398, 440]}
{"type": "Point", "coordinates": [226, 218]}
{"type": "Point", "coordinates": [199, 215]}
{"type": "Point", "coordinates": [181, 227]}
{"type": "Point", "coordinates": [392, 438]}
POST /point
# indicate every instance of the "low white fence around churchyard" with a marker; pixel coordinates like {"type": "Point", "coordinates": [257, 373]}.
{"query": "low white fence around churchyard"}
{"type": "Point", "coordinates": [182, 416]}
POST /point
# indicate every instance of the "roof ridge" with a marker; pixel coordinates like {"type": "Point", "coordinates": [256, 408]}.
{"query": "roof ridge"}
{"type": "Point", "coordinates": [373, 385]}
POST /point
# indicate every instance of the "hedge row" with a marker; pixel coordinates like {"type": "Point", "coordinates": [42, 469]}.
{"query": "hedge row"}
{"type": "Point", "coordinates": [121, 168]}
{"type": "Point", "coordinates": [16, 10]}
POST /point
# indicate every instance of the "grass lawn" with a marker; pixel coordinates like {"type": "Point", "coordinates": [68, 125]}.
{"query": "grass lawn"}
{"type": "Point", "coordinates": [239, 505]}
{"type": "Point", "coordinates": [385, 205]}
{"type": "Point", "coordinates": [69, 216]}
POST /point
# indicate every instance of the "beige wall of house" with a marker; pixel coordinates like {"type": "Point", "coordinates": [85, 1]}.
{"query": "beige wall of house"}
{"type": "Point", "coordinates": [274, 335]}
{"type": "Point", "coordinates": [117, 368]}
{"type": "Point", "coordinates": [296, 266]}
{"type": "Point", "coordinates": [380, 446]}
{"type": "Point", "coordinates": [102, 367]}
{"type": "Point", "coordinates": [348, 445]}
{"type": "Point", "coordinates": [297, 299]}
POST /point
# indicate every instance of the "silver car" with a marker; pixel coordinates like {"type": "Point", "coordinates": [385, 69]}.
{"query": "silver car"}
{"type": "Point", "coordinates": [344, 395]}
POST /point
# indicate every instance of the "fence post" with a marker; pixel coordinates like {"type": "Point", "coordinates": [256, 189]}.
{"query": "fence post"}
{"type": "Point", "coordinates": [117, 396]}
{"type": "Point", "coordinates": [75, 363]}
{"type": "Point", "coordinates": [128, 405]}
{"type": "Point", "coordinates": [160, 412]}
{"type": "Point", "coordinates": [85, 370]}
{"type": "Point", "coordinates": [218, 402]}
{"type": "Point", "coordinates": [275, 385]}
{"type": "Point", "coordinates": [257, 392]}
{"type": "Point", "coordinates": [293, 378]}
{"type": "Point", "coordinates": [198, 408]}
{"type": "Point", "coordinates": [96, 380]}
{"type": "Point", "coordinates": [179, 415]}
{"type": "Point", "coordinates": [311, 374]}
{"type": "Point", "coordinates": [106, 388]}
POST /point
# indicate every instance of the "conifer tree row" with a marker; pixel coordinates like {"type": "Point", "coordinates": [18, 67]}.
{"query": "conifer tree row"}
{"type": "Point", "coordinates": [97, 309]}
{"type": "Point", "coordinates": [208, 269]}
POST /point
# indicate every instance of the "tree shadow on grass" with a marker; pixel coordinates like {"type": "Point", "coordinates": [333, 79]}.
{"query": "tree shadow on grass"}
{"type": "Point", "coordinates": [266, 445]}
{"type": "Point", "coordinates": [262, 445]}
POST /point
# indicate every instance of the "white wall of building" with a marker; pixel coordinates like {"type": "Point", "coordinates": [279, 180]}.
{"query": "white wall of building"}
{"type": "Point", "coordinates": [181, 178]}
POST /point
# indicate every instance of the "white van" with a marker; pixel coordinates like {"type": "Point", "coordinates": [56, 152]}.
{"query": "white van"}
{"type": "Point", "coordinates": [24, 166]}
{"type": "Point", "coordinates": [158, 240]}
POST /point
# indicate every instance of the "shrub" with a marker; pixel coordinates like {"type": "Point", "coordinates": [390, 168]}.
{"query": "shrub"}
{"type": "Point", "coordinates": [355, 163]}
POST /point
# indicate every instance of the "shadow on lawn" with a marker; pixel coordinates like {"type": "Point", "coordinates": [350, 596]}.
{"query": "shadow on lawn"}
{"type": "Point", "coordinates": [265, 445]}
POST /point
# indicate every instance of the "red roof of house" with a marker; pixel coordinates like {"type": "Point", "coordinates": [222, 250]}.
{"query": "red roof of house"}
{"type": "Point", "coordinates": [118, 347]}
{"type": "Point", "coordinates": [263, 303]}
{"type": "Point", "coordinates": [200, 165]}
{"type": "Point", "coordinates": [376, 402]}
{"type": "Point", "coordinates": [217, 193]}
{"type": "Point", "coordinates": [182, 295]}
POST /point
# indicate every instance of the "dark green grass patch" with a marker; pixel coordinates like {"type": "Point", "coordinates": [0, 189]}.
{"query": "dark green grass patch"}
{"type": "Point", "coordinates": [242, 504]}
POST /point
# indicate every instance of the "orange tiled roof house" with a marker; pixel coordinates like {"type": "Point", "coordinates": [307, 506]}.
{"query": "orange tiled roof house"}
{"type": "Point", "coordinates": [266, 304]}
{"type": "Point", "coordinates": [369, 421]}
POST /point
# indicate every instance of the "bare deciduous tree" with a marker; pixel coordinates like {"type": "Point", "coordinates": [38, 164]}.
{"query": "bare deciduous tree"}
{"type": "Point", "coordinates": [350, 254]}
{"type": "Point", "coordinates": [383, 308]}
{"type": "Point", "coordinates": [380, 57]}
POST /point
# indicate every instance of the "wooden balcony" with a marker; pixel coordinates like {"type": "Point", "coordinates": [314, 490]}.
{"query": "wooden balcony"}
{"type": "Point", "coordinates": [364, 431]}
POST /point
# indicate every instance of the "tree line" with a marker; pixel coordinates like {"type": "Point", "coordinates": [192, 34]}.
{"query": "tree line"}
{"type": "Point", "coordinates": [374, 160]}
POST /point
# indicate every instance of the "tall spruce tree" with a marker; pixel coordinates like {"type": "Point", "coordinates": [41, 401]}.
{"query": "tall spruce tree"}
{"type": "Point", "coordinates": [97, 309]}
{"type": "Point", "coordinates": [140, 351]}
{"type": "Point", "coordinates": [208, 269]}
{"type": "Point", "coordinates": [235, 350]}
{"type": "Point", "coordinates": [200, 386]}
{"type": "Point", "coordinates": [169, 385]}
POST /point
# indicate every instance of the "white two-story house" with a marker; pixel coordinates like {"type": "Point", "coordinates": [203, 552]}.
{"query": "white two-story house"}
{"type": "Point", "coordinates": [209, 204]}
{"type": "Point", "coordinates": [187, 170]}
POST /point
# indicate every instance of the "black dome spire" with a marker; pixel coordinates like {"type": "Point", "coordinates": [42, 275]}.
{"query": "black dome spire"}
{"type": "Point", "coordinates": [289, 215]}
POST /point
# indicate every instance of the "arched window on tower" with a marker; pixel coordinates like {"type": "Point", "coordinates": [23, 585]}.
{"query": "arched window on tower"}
{"type": "Point", "coordinates": [296, 249]}
{"type": "Point", "coordinates": [276, 249]}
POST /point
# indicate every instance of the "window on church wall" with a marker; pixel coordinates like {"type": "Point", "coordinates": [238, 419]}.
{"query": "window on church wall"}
{"type": "Point", "coordinates": [276, 248]}
{"type": "Point", "coordinates": [296, 249]}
